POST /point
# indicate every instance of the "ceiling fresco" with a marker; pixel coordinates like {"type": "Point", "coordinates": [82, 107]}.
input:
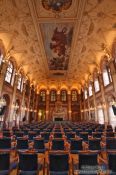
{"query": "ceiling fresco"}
{"type": "Point", "coordinates": [57, 40]}
{"type": "Point", "coordinates": [56, 5]}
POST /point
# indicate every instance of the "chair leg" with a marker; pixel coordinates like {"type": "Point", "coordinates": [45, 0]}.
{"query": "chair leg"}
{"type": "Point", "coordinates": [44, 167]}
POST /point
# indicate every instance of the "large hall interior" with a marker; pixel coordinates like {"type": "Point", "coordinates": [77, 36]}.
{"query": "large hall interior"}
{"type": "Point", "coordinates": [57, 87]}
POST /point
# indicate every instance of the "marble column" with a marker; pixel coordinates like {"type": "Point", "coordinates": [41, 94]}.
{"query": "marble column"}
{"type": "Point", "coordinates": [88, 102]}
{"type": "Point", "coordinates": [23, 101]}
{"type": "Point", "coordinates": [28, 105]}
{"type": "Point", "coordinates": [2, 75]}
{"type": "Point", "coordinates": [105, 105]}
{"type": "Point", "coordinates": [69, 107]}
{"type": "Point", "coordinates": [94, 102]}
{"type": "Point", "coordinates": [13, 101]}
{"type": "Point", "coordinates": [47, 105]}
{"type": "Point", "coordinates": [113, 74]}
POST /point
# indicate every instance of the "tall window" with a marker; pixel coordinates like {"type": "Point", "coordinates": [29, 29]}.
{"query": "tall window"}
{"type": "Point", "coordinates": [74, 95]}
{"type": "Point", "coordinates": [20, 83]}
{"type": "Point", "coordinates": [9, 72]}
{"type": "Point", "coordinates": [43, 96]}
{"type": "Point", "coordinates": [85, 94]}
{"type": "Point", "coordinates": [53, 95]}
{"type": "Point", "coordinates": [107, 76]}
{"type": "Point", "coordinates": [63, 95]}
{"type": "Point", "coordinates": [96, 85]}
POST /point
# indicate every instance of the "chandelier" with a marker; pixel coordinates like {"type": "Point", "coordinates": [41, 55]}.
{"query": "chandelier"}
{"type": "Point", "coordinates": [2, 102]}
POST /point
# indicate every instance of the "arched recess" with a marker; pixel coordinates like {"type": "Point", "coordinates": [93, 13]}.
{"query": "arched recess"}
{"type": "Point", "coordinates": [5, 109]}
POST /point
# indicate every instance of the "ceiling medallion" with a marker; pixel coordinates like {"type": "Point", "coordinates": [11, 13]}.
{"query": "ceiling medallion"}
{"type": "Point", "coordinates": [56, 5]}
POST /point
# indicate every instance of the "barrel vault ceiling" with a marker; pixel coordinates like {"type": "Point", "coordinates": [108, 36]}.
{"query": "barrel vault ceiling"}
{"type": "Point", "coordinates": [57, 48]}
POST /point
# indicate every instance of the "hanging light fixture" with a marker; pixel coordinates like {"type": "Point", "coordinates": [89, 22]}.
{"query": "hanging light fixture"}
{"type": "Point", "coordinates": [2, 102]}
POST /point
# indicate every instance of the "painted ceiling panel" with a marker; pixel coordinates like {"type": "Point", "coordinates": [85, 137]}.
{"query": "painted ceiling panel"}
{"type": "Point", "coordinates": [57, 40]}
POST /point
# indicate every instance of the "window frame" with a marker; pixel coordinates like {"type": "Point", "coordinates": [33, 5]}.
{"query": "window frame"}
{"type": "Point", "coordinates": [74, 90]}
{"type": "Point", "coordinates": [109, 76]}
{"type": "Point", "coordinates": [96, 78]}
{"type": "Point", "coordinates": [7, 72]}
{"type": "Point", "coordinates": [42, 97]}
{"type": "Point", "coordinates": [20, 88]}
{"type": "Point", "coordinates": [55, 92]}
{"type": "Point", "coordinates": [61, 95]}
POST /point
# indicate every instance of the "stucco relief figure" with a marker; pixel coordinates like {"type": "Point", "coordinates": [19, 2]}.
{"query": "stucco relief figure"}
{"type": "Point", "coordinates": [56, 5]}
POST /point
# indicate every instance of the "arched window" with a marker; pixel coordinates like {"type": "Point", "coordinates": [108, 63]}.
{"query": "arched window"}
{"type": "Point", "coordinates": [74, 95]}
{"type": "Point", "coordinates": [43, 96]}
{"type": "Point", "coordinates": [107, 79]}
{"type": "Point", "coordinates": [90, 90]}
{"type": "Point", "coordinates": [96, 85]}
{"type": "Point", "coordinates": [20, 83]}
{"type": "Point", "coordinates": [53, 96]}
{"type": "Point", "coordinates": [63, 95]}
{"type": "Point", "coordinates": [85, 94]}
{"type": "Point", "coordinates": [9, 72]}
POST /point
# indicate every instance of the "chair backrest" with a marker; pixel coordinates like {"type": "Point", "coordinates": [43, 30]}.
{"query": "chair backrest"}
{"type": "Point", "coordinates": [4, 161]}
{"type": "Point", "coordinates": [58, 144]}
{"type": "Point", "coordinates": [45, 135]}
{"type": "Point", "coordinates": [87, 159]}
{"type": "Point", "coordinates": [109, 134]}
{"type": "Point", "coordinates": [37, 131]}
{"type": "Point", "coordinates": [70, 135]}
{"type": "Point", "coordinates": [97, 134]}
{"type": "Point", "coordinates": [6, 134]}
{"type": "Point", "coordinates": [59, 162]}
{"type": "Point", "coordinates": [22, 143]}
{"type": "Point", "coordinates": [19, 134]}
{"type": "Point", "coordinates": [112, 161]}
{"type": "Point", "coordinates": [94, 144]}
{"type": "Point", "coordinates": [39, 144]}
{"type": "Point", "coordinates": [28, 162]}
{"type": "Point", "coordinates": [5, 143]}
{"type": "Point", "coordinates": [84, 135]}
{"type": "Point", "coordinates": [76, 145]}
{"type": "Point", "coordinates": [31, 135]}
{"type": "Point", "coordinates": [111, 143]}
{"type": "Point", "coordinates": [57, 135]}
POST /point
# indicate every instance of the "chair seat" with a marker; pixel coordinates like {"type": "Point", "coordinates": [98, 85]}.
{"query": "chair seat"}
{"type": "Point", "coordinates": [4, 172]}
{"type": "Point", "coordinates": [74, 151]}
{"type": "Point", "coordinates": [13, 165]}
{"type": "Point", "coordinates": [31, 172]}
{"type": "Point", "coordinates": [28, 173]}
{"type": "Point", "coordinates": [40, 150]}
{"type": "Point", "coordinates": [59, 173]}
